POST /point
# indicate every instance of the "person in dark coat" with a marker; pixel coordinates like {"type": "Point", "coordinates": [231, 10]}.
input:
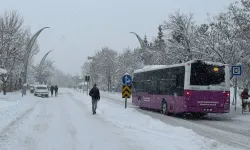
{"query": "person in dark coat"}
{"type": "Point", "coordinates": [95, 94]}
{"type": "Point", "coordinates": [56, 90]}
{"type": "Point", "coordinates": [52, 90]}
{"type": "Point", "coordinates": [244, 96]}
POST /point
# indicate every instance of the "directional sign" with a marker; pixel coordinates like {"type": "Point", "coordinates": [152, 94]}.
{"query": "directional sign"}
{"type": "Point", "coordinates": [126, 91]}
{"type": "Point", "coordinates": [236, 70]}
{"type": "Point", "coordinates": [127, 79]}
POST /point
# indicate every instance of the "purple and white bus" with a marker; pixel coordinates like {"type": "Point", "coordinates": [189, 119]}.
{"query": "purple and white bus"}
{"type": "Point", "coordinates": [197, 87]}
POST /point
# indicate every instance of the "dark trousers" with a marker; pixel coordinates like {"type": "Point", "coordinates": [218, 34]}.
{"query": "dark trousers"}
{"type": "Point", "coordinates": [94, 105]}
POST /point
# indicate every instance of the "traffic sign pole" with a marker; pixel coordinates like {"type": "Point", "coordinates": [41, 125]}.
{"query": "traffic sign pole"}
{"type": "Point", "coordinates": [235, 92]}
{"type": "Point", "coordinates": [126, 89]}
{"type": "Point", "coordinates": [125, 102]}
{"type": "Point", "coordinates": [236, 71]}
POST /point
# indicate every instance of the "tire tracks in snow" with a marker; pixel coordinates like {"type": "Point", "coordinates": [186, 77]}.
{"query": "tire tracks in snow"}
{"type": "Point", "coordinates": [227, 137]}
{"type": "Point", "coordinates": [211, 132]}
{"type": "Point", "coordinates": [128, 143]}
{"type": "Point", "coordinates": [8, 127]}
{"type": "Point", "coordinates": [11, 128]}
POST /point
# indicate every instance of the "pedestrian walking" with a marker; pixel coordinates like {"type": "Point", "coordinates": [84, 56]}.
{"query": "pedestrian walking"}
{"type": "Point", "coordinates": [52, 90]}
{"type": "Point", "coordinates": [95, 95]}
{"type": "Point", "coordinates": [244, 96]}
{"type": "Point", "coordinates": [56, 90]}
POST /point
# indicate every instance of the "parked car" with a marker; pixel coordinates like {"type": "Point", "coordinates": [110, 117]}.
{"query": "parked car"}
{"type": "Point", "coordinates": [41, 91]}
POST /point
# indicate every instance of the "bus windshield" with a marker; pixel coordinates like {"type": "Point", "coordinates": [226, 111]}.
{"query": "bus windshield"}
{"type": "Point", "coordinates": [206, 74]}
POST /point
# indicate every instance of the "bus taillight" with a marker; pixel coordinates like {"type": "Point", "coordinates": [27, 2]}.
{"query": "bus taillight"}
{"type": "Point", "coordinates": [188, 93]}
{"type": "Point", "coordinates": [227, 93]}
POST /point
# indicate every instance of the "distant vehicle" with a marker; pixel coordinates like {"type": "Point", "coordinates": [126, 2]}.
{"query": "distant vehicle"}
{"type": "Point", "coordinates": [41, 91]}
{"type": "Point", "coordinates": [197, 87]}
{"type": "Point", "coordinates": [32, 88]}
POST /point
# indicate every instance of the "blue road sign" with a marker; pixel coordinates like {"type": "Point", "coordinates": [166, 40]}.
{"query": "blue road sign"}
{"type": "Point", "coordinates": [236, 70]}
{"type": "Point", "coordinates": [127, 79]}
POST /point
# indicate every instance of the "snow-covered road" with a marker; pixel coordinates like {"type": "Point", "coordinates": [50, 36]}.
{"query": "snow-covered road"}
{"type": "Point", "coordinates": [66, 123]}
{"type": "Point", "coordinates": [232, 129]}
{"type": "Point", "coordinates": [61, 123]}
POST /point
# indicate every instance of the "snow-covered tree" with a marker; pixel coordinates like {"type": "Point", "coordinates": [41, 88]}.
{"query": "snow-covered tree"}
{"type": "Point", "coordinates": [44, 72]}
{"type": "Point", "coordinates": [180, 29]}
{"type": "Point", "coordinates": [13, 37]}
{"type": "Point", "coordinates": [61, 79]}
{"type": "Point", "coordinates": [103, 67]}
{"type": "Point", "coordinates": [160, 55]}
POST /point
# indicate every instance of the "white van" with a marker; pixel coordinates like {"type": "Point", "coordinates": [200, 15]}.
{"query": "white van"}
{"type": "Point", "coordinates": [41, 91]}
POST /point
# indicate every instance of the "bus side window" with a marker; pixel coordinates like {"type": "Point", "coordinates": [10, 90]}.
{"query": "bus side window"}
{"type": "Point", "coordinates": [138, 86]}
{"type": "Point", "coordinates": [134, 86]}
{"type": "Point", "coordinates": [154, 83]}
{"type": "Point", "coordinates": [160, 82]}
{"type": "Point", "coordinates": [162, 86]}
{"type": "Point", "coordinates": [149, 85]}
{"type": "Point", "coordinates": [179, 90]}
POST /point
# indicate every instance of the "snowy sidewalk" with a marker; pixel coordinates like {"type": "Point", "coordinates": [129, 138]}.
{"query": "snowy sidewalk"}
{"type": "Point", "coordinates": [146, 132]}
{"type": "Point", "coordinates": [114, 96]}
{"type": "Point", "coordinates": [13, 106]}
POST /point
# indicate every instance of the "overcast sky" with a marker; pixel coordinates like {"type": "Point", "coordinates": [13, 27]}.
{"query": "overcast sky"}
{"type": "Point", "coordinates": [79, 27]}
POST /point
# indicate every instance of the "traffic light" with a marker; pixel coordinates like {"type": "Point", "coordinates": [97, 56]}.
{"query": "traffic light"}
{"type": "Point", "coordinates": [87, 78]}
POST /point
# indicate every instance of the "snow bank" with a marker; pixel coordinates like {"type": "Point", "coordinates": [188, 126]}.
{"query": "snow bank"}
{"type": "Point", "coordinates": [12, 106]}
{"type": "Point", "coordinates": [114, 96]}
{"type": "Point", "coordinates": [148, 132]}
{"type": "Point", "coordinates": [238, 101]}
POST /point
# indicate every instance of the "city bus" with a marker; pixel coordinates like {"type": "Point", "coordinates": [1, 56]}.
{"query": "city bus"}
{"type": "Point", "coordinates": [196, 87]}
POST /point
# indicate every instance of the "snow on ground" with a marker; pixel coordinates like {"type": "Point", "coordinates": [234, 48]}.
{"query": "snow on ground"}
{"type": "Point", "coordinates": [66, 122]}
{"type": "Point", "coordinates": [114, 96]}
{"type": "Point", "coordinates": [146, 132]}
{"type": "Point", "coordinates": [12, 106]}
{"type": "Point", "coordinates": [222, 127]}
{"type": "Point", "coordinates": [62, 123]}
{"type": "Point", "coordinates": [235, 115]}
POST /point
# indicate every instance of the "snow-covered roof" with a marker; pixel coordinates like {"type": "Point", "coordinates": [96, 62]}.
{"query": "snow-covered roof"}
{"type": "Point", "coordinates": [3, 71]}
{"type": "Point", "coordinates": [150, 67]}
{"type": "Point", "coordinates": [157, 67]}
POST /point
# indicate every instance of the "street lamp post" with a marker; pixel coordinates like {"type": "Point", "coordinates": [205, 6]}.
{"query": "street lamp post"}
{"type": "Point", "coordinates": [29, 48]}
{"type": "Point", "coordinates": [144, 47]}
{"type": "Point", "coordinates": [142, 44]}
{"type": "Point", "coordinates": [42, 63]}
